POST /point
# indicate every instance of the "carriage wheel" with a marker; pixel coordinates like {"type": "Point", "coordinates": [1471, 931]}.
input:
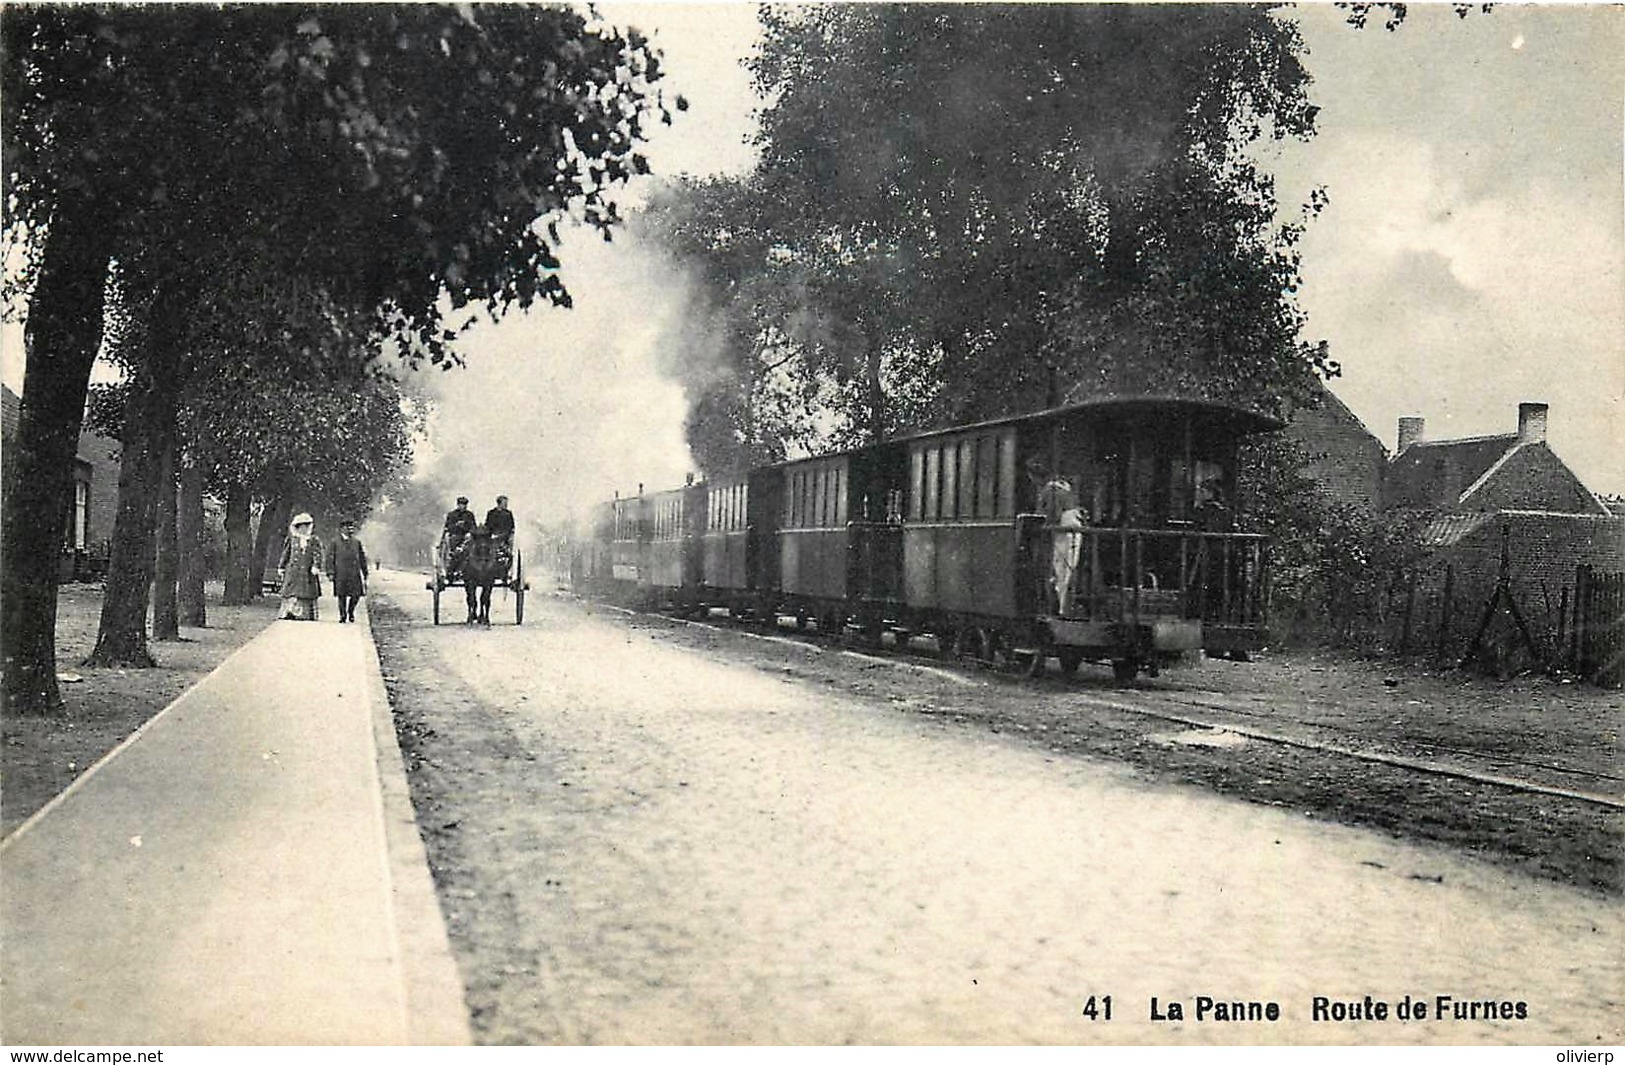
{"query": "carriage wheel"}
{"type": "Point", "coordinates": [1071, 658]}
{"type": "Point", "coordinates": [1036, 665]}
{"type": "Point", "coordinates": [1124, 669]}
{"type": "Point", "coordinates": [518, 585]}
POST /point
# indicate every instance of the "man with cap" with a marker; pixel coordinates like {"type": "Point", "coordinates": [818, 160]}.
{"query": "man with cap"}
{"type": "Point", "coordinates": [459, 527]}
{"type": "Point", "coordinates": [347, 565]}
{"type": "Point", "coordinates": [499, 523]}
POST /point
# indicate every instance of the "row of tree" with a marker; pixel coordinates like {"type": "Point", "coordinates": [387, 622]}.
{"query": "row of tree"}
{"type": "Point", "coordinates": [245, 208]}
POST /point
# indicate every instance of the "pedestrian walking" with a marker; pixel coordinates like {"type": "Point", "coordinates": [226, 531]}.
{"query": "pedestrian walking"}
{"type": "Point", "coordinates": [298, 569]}
{"type": "Point", "coordinates": [347, 565]}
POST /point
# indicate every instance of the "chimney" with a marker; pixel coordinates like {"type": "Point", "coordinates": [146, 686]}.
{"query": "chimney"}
{"type": "Point", "coordinates": [1410, 432]}
{"type": "Point", "coordinates": [1531, 423]}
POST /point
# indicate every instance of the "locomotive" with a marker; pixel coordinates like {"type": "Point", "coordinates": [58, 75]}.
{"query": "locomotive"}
{"type": "Point", "coordinates": [947, 533]}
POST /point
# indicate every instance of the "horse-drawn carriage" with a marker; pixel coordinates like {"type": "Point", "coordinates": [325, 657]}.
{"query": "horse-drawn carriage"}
{"type": "Point", "coordinates": [477, 563]}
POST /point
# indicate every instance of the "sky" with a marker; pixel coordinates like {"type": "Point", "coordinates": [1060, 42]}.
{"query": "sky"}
{"type": "Point", "coordinates": [1472, 256]}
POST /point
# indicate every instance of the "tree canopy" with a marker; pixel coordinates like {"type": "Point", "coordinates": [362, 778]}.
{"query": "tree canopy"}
{"type": "Point", "coordinates": [956, 204]}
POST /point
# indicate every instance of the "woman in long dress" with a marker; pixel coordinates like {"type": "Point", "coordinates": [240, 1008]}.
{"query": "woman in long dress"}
{"type": "Point", "coordinates": [301, 555]}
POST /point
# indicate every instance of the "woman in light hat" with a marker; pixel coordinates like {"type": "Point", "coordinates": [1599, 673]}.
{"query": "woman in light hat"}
{"type": "Point", "coordinates": [301, 555]}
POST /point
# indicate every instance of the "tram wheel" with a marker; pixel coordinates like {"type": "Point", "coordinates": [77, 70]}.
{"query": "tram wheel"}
{"type": "Point", "coordinates": [971, 644]}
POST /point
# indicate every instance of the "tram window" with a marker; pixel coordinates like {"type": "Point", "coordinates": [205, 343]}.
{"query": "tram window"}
{"type": "Point", "coordinates": [916, 480]}
{"type": "Point", "coordinates": [933, 460]}
{"type": "Point", "coordinates": [1003, 482]}
{"type": "Point", "coordinates": [987, 465]}
{"type": "Point", "coordinates": [1141, 471]}
{"type": "Point", "coordinates": [967, 478]}
{"type": "Point", "coordinates": [1209, 483]}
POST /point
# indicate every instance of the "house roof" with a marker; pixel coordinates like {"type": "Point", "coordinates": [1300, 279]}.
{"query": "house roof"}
{"type": "Point", "coordinates": [1429, 474]}
{"type": "Point", "coordinates": [1448, 530]}
{"type": "Point", "coordinates": [1450, 473]}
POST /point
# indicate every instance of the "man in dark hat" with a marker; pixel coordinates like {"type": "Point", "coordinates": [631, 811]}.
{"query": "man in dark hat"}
{"type": "Point", "coordinates": [347, 565]}
{"type": "Point", "coordinates": [460, 524]}
{"type": "Point", "coordinates": [499, 523]}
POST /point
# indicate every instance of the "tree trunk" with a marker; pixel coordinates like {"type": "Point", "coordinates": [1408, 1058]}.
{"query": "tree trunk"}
{"type": "Point", "coordinates": [272, 531]}
{"type": "Point", "coordinates": [166, 621]}
{"type": "Point", "coordinates": [149, 428]}
{"type": "Point", "coordinates": [189, 536]}
{"type": "Point", "coordinates": [122, 638]}
{"type": "Point", "coordinates": [238, 547]}
{"type": "Point", "coordinates": [877, 393]}
{"type": "Point", "coordinates": [63, 333]}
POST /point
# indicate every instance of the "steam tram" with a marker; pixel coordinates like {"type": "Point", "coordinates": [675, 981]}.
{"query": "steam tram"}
{"type": "Point", "coordinates": [945, 533]}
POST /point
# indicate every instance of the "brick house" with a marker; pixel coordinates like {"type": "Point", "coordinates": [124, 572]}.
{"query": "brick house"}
{"type": "Point", "coordinates": [1343, 457]}
{"type": "Point", "coordinates": [1488, 501]}
{"type": "Point", "coordinates": [88, 535]}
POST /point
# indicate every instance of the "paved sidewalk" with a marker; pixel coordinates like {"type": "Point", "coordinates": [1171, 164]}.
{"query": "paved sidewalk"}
{"type": "Point", "coordinates": [244, 870]}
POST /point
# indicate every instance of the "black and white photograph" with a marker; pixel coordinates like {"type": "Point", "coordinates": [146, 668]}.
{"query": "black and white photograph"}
{"type": "Point", "coordinates": [816, 525]}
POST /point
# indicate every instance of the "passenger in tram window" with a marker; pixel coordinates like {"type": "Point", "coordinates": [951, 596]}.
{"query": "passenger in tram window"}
{"type": "Point", "coordinates": [1212, 508]}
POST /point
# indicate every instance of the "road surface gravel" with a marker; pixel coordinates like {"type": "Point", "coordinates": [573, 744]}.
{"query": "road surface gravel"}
{"type": "Point", "coordinates": [637, 842]}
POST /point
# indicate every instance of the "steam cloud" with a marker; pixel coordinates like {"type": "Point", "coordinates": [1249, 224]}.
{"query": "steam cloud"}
{"type": "Point", "coordinates": [560, 409]}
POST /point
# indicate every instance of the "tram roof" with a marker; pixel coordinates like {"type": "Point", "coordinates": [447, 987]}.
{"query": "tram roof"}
{"type": "Point", "coordinates": [1248, 420]}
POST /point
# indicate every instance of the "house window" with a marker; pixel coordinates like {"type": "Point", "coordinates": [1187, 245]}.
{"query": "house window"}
{"type": "Point", "coordinates": [81, 515]}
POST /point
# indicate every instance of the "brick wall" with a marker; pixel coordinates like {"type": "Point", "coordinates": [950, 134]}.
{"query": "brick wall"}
{"type": "Point", "coordinates": [1345, 459]}
{"type": "Point", "coordinates": [103, 455]}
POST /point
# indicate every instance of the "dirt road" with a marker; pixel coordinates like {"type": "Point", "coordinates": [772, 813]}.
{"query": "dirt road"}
{"type": "Point", "coordinates": [639, 843]}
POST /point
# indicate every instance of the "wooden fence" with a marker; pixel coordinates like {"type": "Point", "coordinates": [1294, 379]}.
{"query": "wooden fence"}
{"type": "Point", "coordinates": [1509, 624]}
{"type": "Point", "coordinates": [1596, 647]}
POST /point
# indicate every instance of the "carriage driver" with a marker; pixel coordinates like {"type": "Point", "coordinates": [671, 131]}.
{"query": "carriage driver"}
{"type": "Point", "coordinates": [499, 523]}
{"type": "Point", "coordinates": [459, 527]}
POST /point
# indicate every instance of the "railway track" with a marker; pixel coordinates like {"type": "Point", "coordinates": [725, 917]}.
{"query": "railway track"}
{"type": "Point", "coordinates": [1212, 711]}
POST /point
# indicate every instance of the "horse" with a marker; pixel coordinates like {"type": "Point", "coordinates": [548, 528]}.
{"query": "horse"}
{"type": "Point", "coordinates": [485, 561]}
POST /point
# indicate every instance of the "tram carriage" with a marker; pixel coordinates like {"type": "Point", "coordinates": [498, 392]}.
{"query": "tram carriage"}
{"type": "Point", "coordinates": [940, 533]}
{"type": "Point", "coordinates": [739, 560]}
